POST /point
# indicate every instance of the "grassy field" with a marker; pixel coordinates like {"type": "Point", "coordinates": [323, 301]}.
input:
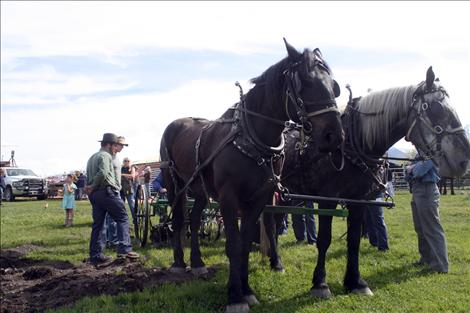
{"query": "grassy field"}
{"type": "Point", "coordinates": [398, 286]}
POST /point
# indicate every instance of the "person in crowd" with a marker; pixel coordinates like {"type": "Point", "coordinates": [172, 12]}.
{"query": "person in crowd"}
{"type": "Point", "coordinates": [375, 220]}
{"type": "Point", "coordinates": [147, 176]}
{"type": "Point", "coordinates": [68, 200]}
{"type": "Point", "coordinates": [81, 181]}
{"type": "Point", "coordinates": [423, 176]}
{"type": "Point", "coordinates": [158, 186]}
{"type": "Point", "coordinates": [103, 192]}
{"type": "Point", "coordinates": [304, 226]}
{"type": "Point", "coordinates": [111, 230]}
{"type": "Point", "coordinates": [3, 186]}
{"type": "Point", "coordinates": [75, 181]}
{"type": "Point", "coordinates": [128, 175]}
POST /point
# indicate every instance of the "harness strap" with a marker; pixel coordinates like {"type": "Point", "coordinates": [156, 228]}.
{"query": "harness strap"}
{"type": "Point", "coordinates": [322, 111]}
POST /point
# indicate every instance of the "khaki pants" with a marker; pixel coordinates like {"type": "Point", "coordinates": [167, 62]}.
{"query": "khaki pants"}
{"type": "Point", "coordinates": [431, 237]}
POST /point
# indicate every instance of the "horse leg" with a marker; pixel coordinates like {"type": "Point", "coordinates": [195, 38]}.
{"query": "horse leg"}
{"type": "Point", "coordinates": [320, 288]}
{"type": "Point", "coordinates": [228, 207]}
{"type": "Point", "coordinates": [197, 265]}
{"type": "Point", "coordinates": [352, 280]}
{"type": "Point", "coordinates": [269, 220]}
{"type": "Point", "coordinates": [452, 186]}
{"type": "Point", "coordinates": [248, 225]}
{"type": "Point", "coordinates": [178, 265]}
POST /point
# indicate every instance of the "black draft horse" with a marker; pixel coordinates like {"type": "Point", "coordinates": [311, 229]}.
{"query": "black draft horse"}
{"type": "Point", "coordinates": [237, 158]}
{"type": "Point", "coordinates": [372, 124]}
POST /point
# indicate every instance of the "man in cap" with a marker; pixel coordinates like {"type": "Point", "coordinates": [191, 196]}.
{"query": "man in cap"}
{"type": "Point", "coordinates": [110, 224]}
{"type": "Point", "coordinates": [103, 192]}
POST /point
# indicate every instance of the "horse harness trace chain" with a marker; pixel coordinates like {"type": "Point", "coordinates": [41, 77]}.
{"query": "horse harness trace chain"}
{"type": "Point", "coordinates": [244, 138]}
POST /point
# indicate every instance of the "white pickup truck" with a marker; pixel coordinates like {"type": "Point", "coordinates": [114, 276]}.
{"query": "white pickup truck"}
{"type": "Point", "coordinates": [23, 182]}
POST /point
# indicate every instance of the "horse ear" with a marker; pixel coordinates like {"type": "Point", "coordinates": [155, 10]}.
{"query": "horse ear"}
{"type": "Point", "coordinates": [291, 51]}
{"type": "Point", "coordinates": [336, 89]}
{"type": "Point", "coordinates": [318, 52]}
{"type": "Point", "coordinates": [430, 78]}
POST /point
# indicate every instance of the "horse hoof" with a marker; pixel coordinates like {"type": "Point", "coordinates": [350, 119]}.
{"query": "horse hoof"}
{"type": "Point", "coordinates": [251, 300]}
{"type": "Point", "coordinates": [322, 293]}
{"type": "Point", "coordinates": [363, 291]}
{"type": "Point", "coordinates": [177, 270]}
{"type": "Point", "coordinates": [237, 308]}
{"type": "Point", "coordinates": [279, 269]}
{"type": "Point", "coordinates": [199, 271]}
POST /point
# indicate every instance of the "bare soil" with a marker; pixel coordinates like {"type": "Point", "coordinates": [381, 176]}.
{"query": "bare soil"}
{"type": "Point", "coordinates": [28, 285]}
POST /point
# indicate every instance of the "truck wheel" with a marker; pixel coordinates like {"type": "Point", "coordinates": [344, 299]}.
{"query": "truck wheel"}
{"type": "Point", "coordinates": [9, 194]}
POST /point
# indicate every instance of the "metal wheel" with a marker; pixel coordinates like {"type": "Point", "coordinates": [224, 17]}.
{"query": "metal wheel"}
{"type": "Point", "coordinates": [211, 226]}
{"type": "Point", "coordinates": [142, 213]}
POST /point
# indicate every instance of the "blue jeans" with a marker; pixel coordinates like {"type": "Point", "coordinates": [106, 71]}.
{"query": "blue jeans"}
{"type": "Point", "coordinates": [130, 198]}
{"type": "Point", "coordinates": [304, 226]}
{"type": "Point", "coordinates": [111, 231]}
{"type": "Point", "coordinates": [106, 201]}
{"type": "Point", "coordinates": [376, 228]}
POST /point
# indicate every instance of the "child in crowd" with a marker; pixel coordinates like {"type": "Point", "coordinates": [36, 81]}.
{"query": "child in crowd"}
{"type": "Point", "coordinates": [68, 201]}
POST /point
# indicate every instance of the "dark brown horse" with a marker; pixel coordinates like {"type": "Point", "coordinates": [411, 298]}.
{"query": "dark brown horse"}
{"type": "Point", "coordinates": [372, 124]}
{"type": "Point", "coordinates": [237, 158]}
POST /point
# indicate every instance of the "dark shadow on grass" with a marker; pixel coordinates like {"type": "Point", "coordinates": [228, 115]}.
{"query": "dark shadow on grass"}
{"type": "Point", "coordinates": [396, 275]}
{"type": "Point", "coordinates": [293, 304]}
{"type": "Point", "coordinates": [75, 225]}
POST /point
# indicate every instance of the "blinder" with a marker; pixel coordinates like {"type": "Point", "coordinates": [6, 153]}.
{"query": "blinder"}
{"type": "Point", "coordinates": [293, 87]}
{"type": "Point", "coordinates": [433, 148]}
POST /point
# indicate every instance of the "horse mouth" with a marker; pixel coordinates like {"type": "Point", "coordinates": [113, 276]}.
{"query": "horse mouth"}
{"type": "Point", "coordinates": [458, 168]}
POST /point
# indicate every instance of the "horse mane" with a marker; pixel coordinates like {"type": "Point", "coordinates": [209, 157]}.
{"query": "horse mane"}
{"type": "Point", "coordinates": [272, 78]}
{"type": "Point", "coordinates": [382, 110]}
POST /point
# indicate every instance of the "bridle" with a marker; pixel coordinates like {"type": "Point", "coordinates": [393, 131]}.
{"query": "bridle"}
{"type": "Point", "coordinates": [292, 94]}
{"type": "Point", "coordinates": [292, 87]}
{"type": "Point", "coordinates": [433, 148]}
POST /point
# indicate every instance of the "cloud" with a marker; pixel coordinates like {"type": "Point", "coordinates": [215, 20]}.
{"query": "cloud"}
{"type": "Point", "coordinates": [56, 116]}
{"type": "Point", "coordinates": [53, 140]}
{"type": "Point", "coordinates": [91, 28]}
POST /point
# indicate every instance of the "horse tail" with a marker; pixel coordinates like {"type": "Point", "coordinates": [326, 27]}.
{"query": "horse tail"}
{"type": "Point", "coordinates": [169, 175]}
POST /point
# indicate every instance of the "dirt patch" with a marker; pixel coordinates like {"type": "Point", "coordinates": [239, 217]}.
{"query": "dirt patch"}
{"type": "Point", "coordinates": [35, 286]}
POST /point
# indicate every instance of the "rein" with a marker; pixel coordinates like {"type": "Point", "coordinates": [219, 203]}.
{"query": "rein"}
{"type": "Point", "coordinates": [250, 144]}
{"type": "Point", "coordinates": [438, 131]}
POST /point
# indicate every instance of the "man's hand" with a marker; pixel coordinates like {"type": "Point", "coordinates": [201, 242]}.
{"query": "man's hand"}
{"type": "Point", "coordinates": [88, 189]}
{"type": "Point", "coordinates": [163, 190]}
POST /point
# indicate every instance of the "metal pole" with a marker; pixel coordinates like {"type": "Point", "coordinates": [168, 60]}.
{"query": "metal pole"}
{"type": "Point", "coordinates": [341, 201]}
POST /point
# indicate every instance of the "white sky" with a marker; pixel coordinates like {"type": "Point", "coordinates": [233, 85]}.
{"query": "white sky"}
{"type": "Point", "coordinates": [53, 119]}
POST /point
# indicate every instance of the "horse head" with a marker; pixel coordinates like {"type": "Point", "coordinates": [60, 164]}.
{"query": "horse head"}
{"type": "Point", "coordinates": [310, 98]}
{"type": "Point", "coordinates": [435, 128]}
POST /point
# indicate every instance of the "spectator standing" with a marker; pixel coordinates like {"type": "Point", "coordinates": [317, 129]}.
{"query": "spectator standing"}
{"type": "Point", "coordinates": [304, 226]}
{"type": "Point", "coordinates": [2, 184]}
{"type": "Point", "coordinates": [375, 220]}
{"type": "Point", "coordinates": [68, 200]}
{"type": "Point", "coordinates": [128, 175]}
{"type": "Point", "coordinates": [147, 175]}
{"type": "Point", "coordinates": [111, 230]}
{"type": "Point", "coordinates": [423, 176]}
{"type": "Point", "coordinates": [81, 182]}
{"type": "Point", "coordinates": [103, 192]}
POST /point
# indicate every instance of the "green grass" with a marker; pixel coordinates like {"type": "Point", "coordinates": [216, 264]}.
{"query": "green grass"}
{"type": "Point", "coordinates": [398, 286]}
